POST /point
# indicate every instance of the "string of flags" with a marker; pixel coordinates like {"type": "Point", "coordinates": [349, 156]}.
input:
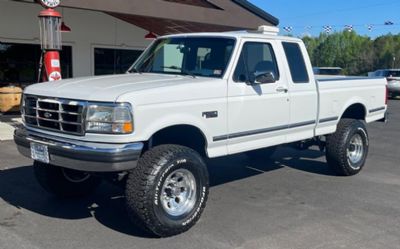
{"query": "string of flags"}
{"type": "Point", "coordinates": [328, 29]}
{"type": "Point", "coordinates": [348, 27]}
{"type": "Point", "coordinates": [288, 29]}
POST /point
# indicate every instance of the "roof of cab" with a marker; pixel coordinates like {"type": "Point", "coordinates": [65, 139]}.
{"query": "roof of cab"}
{"type": "Point", "coordinates": [237, 35]}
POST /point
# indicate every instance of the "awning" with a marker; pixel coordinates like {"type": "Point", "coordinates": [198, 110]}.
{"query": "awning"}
{"type": "Point", "coordinates": [177, 16]}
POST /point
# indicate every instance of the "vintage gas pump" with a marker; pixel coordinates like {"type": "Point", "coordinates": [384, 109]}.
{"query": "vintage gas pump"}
{"type": "Point", "coordinates": [50, 38]}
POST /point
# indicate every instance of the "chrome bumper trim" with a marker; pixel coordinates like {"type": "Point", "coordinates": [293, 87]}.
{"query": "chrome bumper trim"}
{"type": "Point", "coordinates": [79, 155]}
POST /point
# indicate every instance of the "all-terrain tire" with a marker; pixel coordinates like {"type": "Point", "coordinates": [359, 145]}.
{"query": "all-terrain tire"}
{"type": "Point", "coordinates": [264, 153]}
{"type": "Point", "coordinates": [148, 193]}
{"type": "Point", "coordinates": [64, 182]}
{"type": "Point", "coordinates": [347, 148]}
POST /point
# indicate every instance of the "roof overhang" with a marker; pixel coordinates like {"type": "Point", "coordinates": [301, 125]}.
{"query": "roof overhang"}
{"type": "Point", "coordinates": [176, 16]}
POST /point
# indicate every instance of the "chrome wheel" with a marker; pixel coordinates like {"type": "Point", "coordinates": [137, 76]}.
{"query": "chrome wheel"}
{"type": "Point", "coordinates": [355, 151]}
{"type": "Point", "coordinates": [178, 194]}
{"type": "Point", "coordinates": [75, 176]}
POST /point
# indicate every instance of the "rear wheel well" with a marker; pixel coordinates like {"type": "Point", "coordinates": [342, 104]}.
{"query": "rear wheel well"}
{"type": "Point", "coordinates": [355, 111]}
{"type": "Point", "coordinates": [185, 135]}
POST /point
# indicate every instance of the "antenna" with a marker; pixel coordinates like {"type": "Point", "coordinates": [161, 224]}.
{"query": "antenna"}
{"type": "Point", "coordinates": [268, 30]}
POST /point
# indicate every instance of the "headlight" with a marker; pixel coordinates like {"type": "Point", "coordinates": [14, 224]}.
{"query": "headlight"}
{"type": "Point", "coordinates": [109, 118]}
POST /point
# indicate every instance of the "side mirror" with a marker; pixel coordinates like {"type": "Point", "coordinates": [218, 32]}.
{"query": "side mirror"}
{"type": "Point", "coordinates": [264, 78]}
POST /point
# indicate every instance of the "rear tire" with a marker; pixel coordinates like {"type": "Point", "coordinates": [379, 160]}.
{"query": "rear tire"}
{"type": "Point", "coordinates": [264, 153]}
{"type": "Point", "coordinates": [167, 192]}
{"type": "Point", "coordinates": [347, 148]}
{"type": "Point", "coordinates": [65, 182]}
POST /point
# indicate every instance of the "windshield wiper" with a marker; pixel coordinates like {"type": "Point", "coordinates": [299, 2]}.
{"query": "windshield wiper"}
{"type": "Point", "coordinates": [183, 71]}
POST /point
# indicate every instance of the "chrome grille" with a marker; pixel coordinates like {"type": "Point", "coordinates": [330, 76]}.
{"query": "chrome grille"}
{"type": "Point", "coordinates": [61, 115]}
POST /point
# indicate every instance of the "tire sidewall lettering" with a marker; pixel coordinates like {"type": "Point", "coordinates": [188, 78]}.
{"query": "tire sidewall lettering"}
{"type": "Point", "coordinates": [196, 213]}
{"type": "Point", "coordinates": [186, 163]}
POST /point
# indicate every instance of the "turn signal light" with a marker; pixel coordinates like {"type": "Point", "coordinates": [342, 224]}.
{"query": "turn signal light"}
{"type": "Point", "coordinates": [128, 127]}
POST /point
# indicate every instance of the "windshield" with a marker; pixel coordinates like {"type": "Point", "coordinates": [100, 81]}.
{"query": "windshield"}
{"type": "Point", "coordinates": [196, 56]}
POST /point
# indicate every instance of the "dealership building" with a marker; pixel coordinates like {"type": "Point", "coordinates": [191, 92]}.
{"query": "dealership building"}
{"type": "Point", "coordinates": [105, 37]}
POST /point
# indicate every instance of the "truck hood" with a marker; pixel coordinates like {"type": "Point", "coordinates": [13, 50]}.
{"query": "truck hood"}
{"type": "Point", "coordinates": [106, 88]}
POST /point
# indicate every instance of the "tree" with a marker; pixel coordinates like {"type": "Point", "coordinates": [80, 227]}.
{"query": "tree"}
{"type": "Point", "coordinates": [356, 54]}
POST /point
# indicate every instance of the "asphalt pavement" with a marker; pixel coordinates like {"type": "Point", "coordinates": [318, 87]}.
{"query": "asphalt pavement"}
{"type": "Point", "coordinates": [291, 201]}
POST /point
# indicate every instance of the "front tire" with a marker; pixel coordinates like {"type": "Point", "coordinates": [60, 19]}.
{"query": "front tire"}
{"type": "Point", "coordinates": [167, 192]}
{"type": "Point", "coordinates": [347, 148]}
{"type": "Point", "coordinates": [64, 182]}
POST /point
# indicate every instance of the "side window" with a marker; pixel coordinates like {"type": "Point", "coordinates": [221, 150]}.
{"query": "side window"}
{"type": "Point", "coordinates": [297, 66]}
{"type": "Point", "coordinates": [256, 57]}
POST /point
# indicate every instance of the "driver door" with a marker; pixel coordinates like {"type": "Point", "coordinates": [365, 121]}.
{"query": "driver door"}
{"type": "Point", "coordinates": [258, 114]}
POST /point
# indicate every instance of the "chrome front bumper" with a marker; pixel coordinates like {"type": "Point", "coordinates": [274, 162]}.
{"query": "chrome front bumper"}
{"type": "Point", "coordinates": [79, 155]}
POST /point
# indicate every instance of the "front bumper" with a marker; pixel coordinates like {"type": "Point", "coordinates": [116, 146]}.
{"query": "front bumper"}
{"type": "Point", "coordinates": [79, 155]}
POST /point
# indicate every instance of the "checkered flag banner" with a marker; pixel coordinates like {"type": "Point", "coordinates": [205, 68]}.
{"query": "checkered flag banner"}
{"type": "Point", "coordinates": [348, 28]}
{"type": "Point", "coordinates": [370, 27]}
{"type": "Point", "coordinates": [328, 29]}
{"type": "Point", "coordinates": [389, 23]}
{"type": "Point", "coordinates": [288, 29]}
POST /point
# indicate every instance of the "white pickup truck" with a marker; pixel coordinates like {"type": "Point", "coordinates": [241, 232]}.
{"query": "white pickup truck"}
{"type": "Point", "coordinates": [191, 96]}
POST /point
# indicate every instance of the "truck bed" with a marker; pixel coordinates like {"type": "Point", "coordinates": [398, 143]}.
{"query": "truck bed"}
{"type": "Point", "coordinates": [337, 94]}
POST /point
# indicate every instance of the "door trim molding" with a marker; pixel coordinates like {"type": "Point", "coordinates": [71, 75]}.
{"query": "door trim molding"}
{"type": "Point", "coordinates": [264, 130]}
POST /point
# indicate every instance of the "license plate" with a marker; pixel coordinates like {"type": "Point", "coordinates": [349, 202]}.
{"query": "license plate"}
{"type": "Point", "coordinates": [40, 152]}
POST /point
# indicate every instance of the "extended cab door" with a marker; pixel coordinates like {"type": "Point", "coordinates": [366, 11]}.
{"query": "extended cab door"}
{"type": "Point", "coordinates": [257, 113]}
{"type": "Point", "coordinates": [303, 93]}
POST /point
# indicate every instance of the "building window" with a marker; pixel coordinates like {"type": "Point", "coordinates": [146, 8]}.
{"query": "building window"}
{"type": "Point", "coordinates": [113, 61]}
{"type": "Point", "coordinates": [19, 63]}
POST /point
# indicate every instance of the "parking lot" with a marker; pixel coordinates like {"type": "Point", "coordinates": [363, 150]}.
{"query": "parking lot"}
{"type": "Point", "coordinates": [291, 201]}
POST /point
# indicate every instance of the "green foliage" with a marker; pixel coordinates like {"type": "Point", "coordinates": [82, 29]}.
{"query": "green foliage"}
{"type": "Point", "coordinates": [356, 54]}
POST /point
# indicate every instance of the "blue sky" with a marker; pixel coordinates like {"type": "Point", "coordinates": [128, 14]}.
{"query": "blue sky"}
{"type": "Point", "coordinates": [337, 13]}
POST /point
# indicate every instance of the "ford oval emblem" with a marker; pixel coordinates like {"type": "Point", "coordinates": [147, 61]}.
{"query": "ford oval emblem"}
{"type": "Point", "coordinates": [47, 115]}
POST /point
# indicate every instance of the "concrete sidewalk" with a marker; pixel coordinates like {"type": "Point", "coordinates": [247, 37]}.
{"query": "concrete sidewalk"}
{"type": "Point", "coordinates": [6, 131]}
{"type": "Point", "coordinates": [7, 126]}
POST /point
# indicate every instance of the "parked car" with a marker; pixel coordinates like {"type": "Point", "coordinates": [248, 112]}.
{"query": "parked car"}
{"type": "Point", "coordinates": [189, 97]}
{"type": "Point", "coordinates": [393, 79]}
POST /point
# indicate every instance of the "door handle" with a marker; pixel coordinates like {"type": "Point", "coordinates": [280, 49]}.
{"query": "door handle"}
{"type": "Point", "coordinates": [282, 89]}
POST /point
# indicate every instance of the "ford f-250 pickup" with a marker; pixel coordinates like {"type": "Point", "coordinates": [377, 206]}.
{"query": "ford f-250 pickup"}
{"type": "Point", "coordinates": [187, 97]}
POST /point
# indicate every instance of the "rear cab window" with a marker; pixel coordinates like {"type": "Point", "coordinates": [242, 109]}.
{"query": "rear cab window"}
{"type": "Point", "coordinates": [297, 65]}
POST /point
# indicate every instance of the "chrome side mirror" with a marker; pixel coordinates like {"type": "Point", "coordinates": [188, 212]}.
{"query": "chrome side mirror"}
{"type": "Point", "coordinates": [264, 77]}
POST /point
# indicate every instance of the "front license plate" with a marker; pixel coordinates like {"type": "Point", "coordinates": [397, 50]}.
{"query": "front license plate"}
{"type": "Point", "coordinates": [40, 152]}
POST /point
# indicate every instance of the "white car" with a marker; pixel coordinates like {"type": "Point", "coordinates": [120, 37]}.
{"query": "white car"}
{"type": "Point", "coordinates": [191, 96]}
{"type": "Point", "coordinates": [393, 79]}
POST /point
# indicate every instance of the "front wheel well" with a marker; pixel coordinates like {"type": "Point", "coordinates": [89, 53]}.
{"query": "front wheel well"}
{"type": "Point", "coordinates": [185, 135]}
{"type": "Point", "coordinates": [355, 111]}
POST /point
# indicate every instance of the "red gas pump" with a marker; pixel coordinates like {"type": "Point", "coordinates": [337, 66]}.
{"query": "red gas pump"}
{"type": "Point", "coordinates": [50, 38]}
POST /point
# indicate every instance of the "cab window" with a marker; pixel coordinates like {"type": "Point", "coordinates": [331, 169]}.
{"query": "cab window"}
{"type": "Point", "coordinates": [297, 65]}
{"type": "Point", "coordinates": [256, 57]}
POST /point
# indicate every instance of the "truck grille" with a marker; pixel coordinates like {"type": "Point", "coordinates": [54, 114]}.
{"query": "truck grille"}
{"type": "Point", "coordinates": [61, 115]}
